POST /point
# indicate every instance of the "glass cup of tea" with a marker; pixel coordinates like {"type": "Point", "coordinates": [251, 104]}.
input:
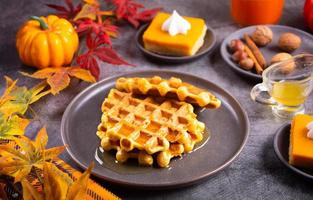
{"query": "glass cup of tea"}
{"type": "Point", "coordinates": [286, 86]}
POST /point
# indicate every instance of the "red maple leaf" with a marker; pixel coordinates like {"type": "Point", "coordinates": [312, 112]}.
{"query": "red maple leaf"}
{"type": "Point", "coordinates": [129, 11]}
{"type": "Point", "coordinates": [98, 49]}
{"type": "Point", "coordinates": [69, 11]}
{"type": "Point", "coordinates": [144, 16]}
{"type": "Point", "coordinates": [99, 28]}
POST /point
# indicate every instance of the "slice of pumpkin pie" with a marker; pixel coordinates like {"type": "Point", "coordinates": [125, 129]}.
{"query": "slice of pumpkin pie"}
{"type": "Point", "coordinates": [301, 141]}
{"type": "Point", "coordinates": [174, 35]}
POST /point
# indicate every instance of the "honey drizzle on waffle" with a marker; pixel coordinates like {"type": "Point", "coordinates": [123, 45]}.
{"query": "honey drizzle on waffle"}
{"type": "Point", "coordinates": [147, 124]}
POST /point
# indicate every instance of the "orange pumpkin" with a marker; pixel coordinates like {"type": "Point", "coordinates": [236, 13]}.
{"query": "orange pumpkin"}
{"type": "Point", "coordinates": [47, 42]}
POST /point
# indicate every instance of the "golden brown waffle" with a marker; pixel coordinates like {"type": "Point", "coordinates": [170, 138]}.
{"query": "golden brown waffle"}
{"type": "Point", "coordinates": [147, 124]}
{"type": "Point", "coordinates": [171, 88]}
{"type": "Point", "coordinates": [163, 157]}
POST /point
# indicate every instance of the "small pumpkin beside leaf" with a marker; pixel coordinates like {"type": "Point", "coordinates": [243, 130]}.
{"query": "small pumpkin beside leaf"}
{"type": "Point", "coordinates": [47, 42]}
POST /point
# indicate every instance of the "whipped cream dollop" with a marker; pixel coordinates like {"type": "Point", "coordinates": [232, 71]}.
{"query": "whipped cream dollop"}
{"type": "Point", "coordinates": [309, 126]}
{"type": "Point", "coordinates": [176, 24]}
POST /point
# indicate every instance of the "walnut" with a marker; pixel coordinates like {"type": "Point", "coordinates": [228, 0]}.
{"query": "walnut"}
{"type": "Point", "coordinates": [289, 42]}
{"type": "Point", "coordinates": [246, 63]}
{"type": "Point", "coordinates": [287, 67]}
{"type": "Point", "coordinates": [280, 57]}
{"type": "Point", "coordinates": [262, 35]}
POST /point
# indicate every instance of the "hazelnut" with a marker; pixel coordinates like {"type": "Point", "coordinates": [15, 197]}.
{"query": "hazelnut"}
{"type": "Point", "coordinates": [289, 42]}
{"type": "Point", "coordinates": [280, 57]}
{"type": "Point", "coordinates": [262, 35]}
{"type": "Point", "coordinates": [236, 45]}
{"type": "Point", "coordinates": [246, 63]}
{"type": "Point", "coordinates": [239, 55]}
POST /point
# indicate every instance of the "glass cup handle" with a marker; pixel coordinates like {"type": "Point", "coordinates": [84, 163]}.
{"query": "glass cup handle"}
{"type": "Point", "coordinates": [257, 95]}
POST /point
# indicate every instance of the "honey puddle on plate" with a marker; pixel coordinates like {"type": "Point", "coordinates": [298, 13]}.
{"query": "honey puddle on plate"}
{"type": "Point", "coordinates": [107, 159]}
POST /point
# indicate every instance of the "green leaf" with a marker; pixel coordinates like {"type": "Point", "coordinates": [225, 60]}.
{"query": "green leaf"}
{"type": "Point", "coordinates": [16, 99]}
{"type": "Point", "coordinates": [11, 126]}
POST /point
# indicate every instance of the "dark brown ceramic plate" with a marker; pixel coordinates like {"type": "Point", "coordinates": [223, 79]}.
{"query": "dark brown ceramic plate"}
{"type": "Point", "coordinates": [208, 46]}
{"type": "Point", "coordinates": [281, 147]}
{"type": "Point", "coordinates": [229, 127]}
{"type": "Point", "coordinates": [268, 51]}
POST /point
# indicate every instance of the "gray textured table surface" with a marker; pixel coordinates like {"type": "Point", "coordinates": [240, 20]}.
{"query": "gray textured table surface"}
{"type": "Point", "coordinates": [255, 174]}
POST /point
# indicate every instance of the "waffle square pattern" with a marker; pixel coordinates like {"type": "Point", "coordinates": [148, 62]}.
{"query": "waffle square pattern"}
{"type": "Point", "coordinates": [151, 129]}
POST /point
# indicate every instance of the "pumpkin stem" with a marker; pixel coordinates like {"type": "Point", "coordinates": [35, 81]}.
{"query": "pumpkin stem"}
{"type": "Point", "coordinates": [43, 24]}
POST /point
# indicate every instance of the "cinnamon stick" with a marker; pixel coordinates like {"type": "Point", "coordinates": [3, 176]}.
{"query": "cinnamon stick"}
{"type": "Point", "coordinates": [257, 66]}
{"type": "Point", "coordinates": [255, 50]}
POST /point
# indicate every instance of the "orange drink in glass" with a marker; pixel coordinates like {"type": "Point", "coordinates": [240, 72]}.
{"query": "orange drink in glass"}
{"type": "Point", "coordinates": [252, 12]}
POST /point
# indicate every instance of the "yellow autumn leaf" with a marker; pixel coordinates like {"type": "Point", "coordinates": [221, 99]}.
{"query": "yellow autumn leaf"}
{"type": "Point", "coordinates": [41, 140]}
{"type": "Point", "coordinates": [55, 186]}
{"type": "Point", "coordinates": [29, 192]}
{"type": "Point", "coordinates": [107, 13]}
{"type": "Point", "coordinates": [82, 74]}
{"type": "Point", "coordinates": [92, 2]}
{"type": "Point", "coordinates": [59, 78]}
{"type": "Point", "coordinates": [88, 11]}
{"type": "Point", "coordinates": [16, 99]}
{"type": "Point", "coordinates": [42, 73]}
{"type": "Point", "coordinates": [12, 126]}
{"type": "Point", "coordinates": [18, 163]}
{"type": "Point", "coordinates": [91, 10]}
{"type": "Point", "coordinates": [78, 189]}
{"type": "Point", "coordinates": [37, 92]}
{"type": "Point", "coordinates": [58, 185]}
{"type": "Point", "coordinates": [10, 85]}
{"type": "Point", "coordinates": [58, 81]}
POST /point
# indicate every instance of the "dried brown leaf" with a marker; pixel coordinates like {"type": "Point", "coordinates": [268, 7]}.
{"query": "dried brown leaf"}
{"type": "Point", "coordinates": [58, 78]}
{"type": "Point", "coordinates": [58, 81]}
{"type": "Point", "coordinates": [82, 74]}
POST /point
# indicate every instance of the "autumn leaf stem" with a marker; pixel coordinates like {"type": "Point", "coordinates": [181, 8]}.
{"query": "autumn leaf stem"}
{"type": "Point", "coordinates": [33, 113]}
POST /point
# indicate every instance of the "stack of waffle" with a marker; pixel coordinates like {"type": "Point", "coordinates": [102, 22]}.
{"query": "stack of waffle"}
{"type": "Point", "coordinates": [152, 119]}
